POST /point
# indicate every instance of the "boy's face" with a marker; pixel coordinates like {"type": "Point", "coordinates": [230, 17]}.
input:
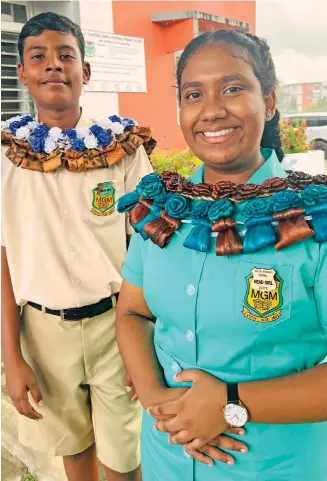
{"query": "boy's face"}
{"type": "Point", "coordinates": [53, 69]}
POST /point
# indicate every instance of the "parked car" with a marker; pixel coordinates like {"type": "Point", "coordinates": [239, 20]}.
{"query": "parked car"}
{"type": "Point", "coordinates": [316, 128]}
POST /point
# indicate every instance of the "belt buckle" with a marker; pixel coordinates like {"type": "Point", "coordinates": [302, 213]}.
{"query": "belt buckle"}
{"type": "Point", "coordinates": [62, 314]}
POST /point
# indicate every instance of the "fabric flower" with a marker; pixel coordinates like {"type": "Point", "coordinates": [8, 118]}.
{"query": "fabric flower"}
{"type": "Point", "coordinates": [55, 133]}
{"type": "Point", "coordinates": [284, 200]}
{"type": "Point", "coordinates": [36, 144]}
{"type": "Point", "coordinates": [220, 209]}
{"type": "Point", "coordinates": [78, 145]}
{"type": "Point", "coordinates": [314, 194]}
{"type": "Point", "coordinates": [148, 179]}
{"type": "Point", "coordinates": [23, 132]}
{"type": "Point", "coordinates": [96, 130]}
{"type": "Point", "coordinates": [299, 180]}
{"type": "Point", "coordinates": [71, 133]}
{"type": "Point", "coordinates": [106, 124]}
{"type": "Point", "coordinates": [177, 206]}
{"type": "Point", "coordinates": [49, 145]}
{"type": "Point", "coordinates": [33, 125]}
{"type": "Point", "coordinates": [246, 191]}
{"type": "Point", "coordinates": [275, 184]}
{"type": "Point", "coordinates": [128, 123]}
{"type": "Point", "coordinates": [104, 138]}
{"type": "Point", "coordinates": [202, 190]}
{"type": "Point", "coordinates": [257, 208]}
{"type": "Point", "coordinates": [223, 189]}
{"type": "Point", "coordinates": [115, 118]}
{"type": "Point", "coordinates": [14, 126]}
{"type": "Point", "coordinates": [41, 131]}
{"type": "Point", "coordinates": [155, 191]}
{"type": "Point", "coordinates": [117, 128]}
{"type": "Point", "coordinates": [82, 132]}
{"type": "Point", "coordinates": [90, 142]}
{"type": "Point", "coordinates": [201, 209]}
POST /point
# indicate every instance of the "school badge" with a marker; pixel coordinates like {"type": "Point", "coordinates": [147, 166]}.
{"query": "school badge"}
{"type": "Point", "coordinates": [103, 199]}
{"type": "Point", "coordinates": [263, 300]}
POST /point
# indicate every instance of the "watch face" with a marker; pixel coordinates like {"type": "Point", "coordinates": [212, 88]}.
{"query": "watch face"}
{"type": "Point", "coordinates": [235, 415]}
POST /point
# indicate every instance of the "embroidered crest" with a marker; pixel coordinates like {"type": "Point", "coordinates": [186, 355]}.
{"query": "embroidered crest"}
{"type": "Point", "coordinates": [263, 300]}
{"type": "Point", "coordinates": [103, 199]}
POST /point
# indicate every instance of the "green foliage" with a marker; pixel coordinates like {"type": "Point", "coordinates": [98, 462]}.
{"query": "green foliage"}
{"type": "Point", "coordinates": [293, 135]}
{"type": "Point", "coordinates": [320, 106]}
{"type": "Point", "coordinates": [182, 161]}
{"type": "Point", "coordinates": [30, 477]}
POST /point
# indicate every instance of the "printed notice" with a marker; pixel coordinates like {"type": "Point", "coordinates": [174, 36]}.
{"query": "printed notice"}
{"type": "Point", "coordinates": [117, 62]}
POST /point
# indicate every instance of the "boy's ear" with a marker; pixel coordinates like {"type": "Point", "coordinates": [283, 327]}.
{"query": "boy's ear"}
{"type": "Point", "coordinates": [21, 74]}
{"type": "Point", "coordinates": [86, 73]}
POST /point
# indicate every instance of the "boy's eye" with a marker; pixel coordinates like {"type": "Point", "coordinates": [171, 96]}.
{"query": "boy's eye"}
{"type": "Point", "coordinates": [67, 56]}
{"type": "Point", "coordinates": [38, 56]}
{"type": "Point", "coordinates": [233, 90]}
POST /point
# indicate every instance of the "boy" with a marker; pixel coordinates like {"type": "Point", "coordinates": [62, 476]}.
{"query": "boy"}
{"type": "Point", "coordinates": [63, 248]}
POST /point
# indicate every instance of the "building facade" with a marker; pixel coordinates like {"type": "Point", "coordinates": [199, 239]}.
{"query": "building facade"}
{"type": "Point", "coordinates": [165, 26]}
{"type": "Point", "coordinates": [296, 97]}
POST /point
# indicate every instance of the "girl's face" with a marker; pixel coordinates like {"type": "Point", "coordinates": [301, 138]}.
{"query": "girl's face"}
{"type": "Point", "coordinates": [223, 110]}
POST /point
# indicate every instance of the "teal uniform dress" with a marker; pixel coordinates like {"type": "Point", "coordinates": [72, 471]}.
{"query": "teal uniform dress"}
{"type": "Point", "coordinates": [202, 303]}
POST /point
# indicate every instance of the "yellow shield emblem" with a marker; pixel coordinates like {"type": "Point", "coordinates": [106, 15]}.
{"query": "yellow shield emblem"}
{"type": "Point", "coordinates": [263, 300]}
{"type": "Point", "coordinates": [103, 199]}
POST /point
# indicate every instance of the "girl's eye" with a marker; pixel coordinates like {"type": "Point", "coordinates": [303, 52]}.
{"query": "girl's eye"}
{"type": "Point", "coordinates": [232, 90]}
{"type": "Point", "coordinates": [193, 95]}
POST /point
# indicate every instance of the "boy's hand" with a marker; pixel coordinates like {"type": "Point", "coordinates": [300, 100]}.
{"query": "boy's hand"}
{"type": "Point", "coordinates": [19, 380]}
{"type": "Point", "coordinates": [130, 388]}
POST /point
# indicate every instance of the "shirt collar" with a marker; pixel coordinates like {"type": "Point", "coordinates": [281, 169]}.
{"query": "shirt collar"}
{"type": "Point", "coordinates": [82, 122]}
{"type": "Point", "coordinates": [270, 168]}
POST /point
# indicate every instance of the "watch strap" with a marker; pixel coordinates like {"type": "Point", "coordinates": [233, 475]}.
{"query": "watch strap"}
{"type": "Point", "coordinates": [232, 393]}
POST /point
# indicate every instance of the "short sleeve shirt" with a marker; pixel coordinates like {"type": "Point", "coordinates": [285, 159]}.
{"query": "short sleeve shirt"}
{"type": "Point", "coordinates": [65, 241]}
{"type": "Point", "coordinates": [201, 302]}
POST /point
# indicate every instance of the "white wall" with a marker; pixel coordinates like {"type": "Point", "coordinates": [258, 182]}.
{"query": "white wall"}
{"type": "Point", "coordinates": [97, 15]}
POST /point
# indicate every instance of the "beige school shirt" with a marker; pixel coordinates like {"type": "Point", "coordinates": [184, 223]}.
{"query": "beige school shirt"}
{"type": "Point", "coordinates": [61, 251]}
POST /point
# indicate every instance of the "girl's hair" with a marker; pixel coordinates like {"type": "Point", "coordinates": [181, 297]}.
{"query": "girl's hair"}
{"type": "Point", "coordinates": [262, 65]}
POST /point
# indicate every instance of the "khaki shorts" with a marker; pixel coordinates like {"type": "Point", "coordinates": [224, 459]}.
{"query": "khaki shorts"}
{"type": "Point", "coordinates": [82, 380]}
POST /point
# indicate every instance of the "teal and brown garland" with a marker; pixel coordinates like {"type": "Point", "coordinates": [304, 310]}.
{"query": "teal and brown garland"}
{"type": "Point", "coordinates": [279, 212]}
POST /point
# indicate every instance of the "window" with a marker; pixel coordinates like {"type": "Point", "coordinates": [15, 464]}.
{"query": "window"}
{"type": "Point", "coordinates": [15, 99]}
{"type": "Point", "coordinates": [322, 122]}
{"type": "Point", "coordinates": [11, 12]}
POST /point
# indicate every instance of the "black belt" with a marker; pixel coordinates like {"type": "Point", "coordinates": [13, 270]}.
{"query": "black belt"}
{"type": "Point", "coordinates": [78, 313]}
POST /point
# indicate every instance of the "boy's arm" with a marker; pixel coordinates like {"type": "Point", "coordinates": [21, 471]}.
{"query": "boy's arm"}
{"type": "Point", "coordinates": [19, 376]}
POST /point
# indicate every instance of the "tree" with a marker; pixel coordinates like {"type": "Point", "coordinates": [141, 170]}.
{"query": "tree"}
{"type": "Point", "coordinates": [320, 106]}
{"type": "Point", "coordinates": [293, 106]}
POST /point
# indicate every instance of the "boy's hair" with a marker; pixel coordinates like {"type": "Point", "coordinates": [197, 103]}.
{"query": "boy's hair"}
{"type": "Point", "coordinates": [50, 21]}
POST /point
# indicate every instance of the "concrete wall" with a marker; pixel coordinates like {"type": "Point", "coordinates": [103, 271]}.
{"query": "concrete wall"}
{"type": "Point", "coordinates": [97, 15]}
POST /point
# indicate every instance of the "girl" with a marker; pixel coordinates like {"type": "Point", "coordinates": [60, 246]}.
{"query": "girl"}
{"type": "Point", "coordinates": [232, 268]}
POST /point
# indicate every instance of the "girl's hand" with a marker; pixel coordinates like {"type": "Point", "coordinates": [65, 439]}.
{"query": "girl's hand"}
{"type": "Point", "coordinates": [213, 451]}
{"type": "Point", "coordinates": [197, 414]}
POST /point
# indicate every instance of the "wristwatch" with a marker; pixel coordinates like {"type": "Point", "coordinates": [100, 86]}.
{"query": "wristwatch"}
{"type": "Point", "coordinates": [235, 414]}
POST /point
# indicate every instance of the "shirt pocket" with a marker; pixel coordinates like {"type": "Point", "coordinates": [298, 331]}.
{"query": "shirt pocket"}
{"type": "Point", "coordinates": [263, 295]}
{"type": "Point", "coordinates": [100, 196]}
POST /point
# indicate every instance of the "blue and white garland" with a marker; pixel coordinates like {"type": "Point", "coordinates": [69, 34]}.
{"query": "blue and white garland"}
{"type": "Point", "coordinates": [44, 139]}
